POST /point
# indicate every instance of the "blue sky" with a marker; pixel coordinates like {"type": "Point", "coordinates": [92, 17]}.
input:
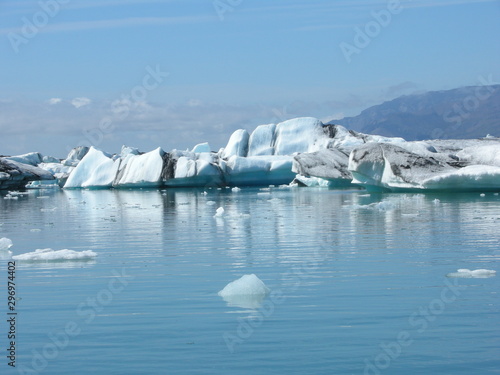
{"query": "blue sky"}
{"type": "Point", "coordinates": [174, 73]}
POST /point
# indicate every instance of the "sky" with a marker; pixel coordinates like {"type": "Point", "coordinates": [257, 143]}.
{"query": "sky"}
{"type": "Point", "coordinates": [174, 73]}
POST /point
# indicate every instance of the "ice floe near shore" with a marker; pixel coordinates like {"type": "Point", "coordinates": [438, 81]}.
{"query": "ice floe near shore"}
{"type": "Point", "coordinates": [303, 151]}
{"type": "Point", "coordinates": [49, 255]}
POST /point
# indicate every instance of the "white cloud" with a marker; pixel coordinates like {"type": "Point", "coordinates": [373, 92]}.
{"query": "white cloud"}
{"type": "Point", "coordinates": [80, 102]}
{"type": "Point", "coordinates": [55, 129]}
{"type": "Point", "coordinates": [53, 101]}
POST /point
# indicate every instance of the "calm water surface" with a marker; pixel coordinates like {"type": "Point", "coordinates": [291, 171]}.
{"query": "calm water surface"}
{"type": "Point", "coordinates": [359, 282]}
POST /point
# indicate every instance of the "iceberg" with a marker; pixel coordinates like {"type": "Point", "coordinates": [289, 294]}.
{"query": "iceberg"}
{"type": "Point", "coordinates": [190, 169]}
{"type": "Point", "coordinates": [301, 180]}
{"type": "Point", "coordinates": [301, 151]}
{"type": "Point", "coordinates": [49, 255]}
{"type": "Point", "coordinates": [219, 212]}
{"type": "Point", "coordinates": [32, 158]}
{"type": "Point", "coordinates": [96, 170]}
{"type": "Point", "coordinates": [15, 175]}
{"type": "Point", "coordinates": [327, 164]}
{"type": "Point", "coordinates": [479, 274]}
{"type": "Point", "coordinates": [141, 170]}
{"type": "Point", "coordinates": [390, 167]}
{"type": "Point", "coordinates": [258, 170]}
{"type": "Point", "coordinates": [470, 178]}
{"type": "Point", "coordinates": [393, 168]}
{"type": "Point", "coordinates": [75, 155]}
{"type": "Point", "coordinates": [247, 285]}
{"type": "Point", "coordinates": [248, 292]}
{"type": "Point", "coordinates": [5, 245]}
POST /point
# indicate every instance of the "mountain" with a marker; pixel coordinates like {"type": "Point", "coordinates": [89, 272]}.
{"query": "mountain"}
{"type": "Point", "coordinates": [468, 112]}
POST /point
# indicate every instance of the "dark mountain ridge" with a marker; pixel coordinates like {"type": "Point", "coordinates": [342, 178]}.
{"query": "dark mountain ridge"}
{"type": "Point", "coordinates": [467, 112]}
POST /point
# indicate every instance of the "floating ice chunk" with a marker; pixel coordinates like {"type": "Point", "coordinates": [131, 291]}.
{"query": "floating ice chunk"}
{"type": "Point", "coordinates": [5, 243]}
{"type": "Point", "coordinates": [235, 189]}
{"type": "Point", "coordinates": [312, 181]}
{"type": "Point", "coordinates": [211, 203]}
{"type": "Point", "coordinates": [14, 193]}
{"type": "Point", "coordinates": [436, 201]}
{"type": "Point", "coordinates": [377, 206]}
{"type": "Point", "coordinates": [49, 255]}
{"type": "Point", "coordinates": [247, 285]}
{"type": "Point", "coordinates": [219, 212]}
{"type": "Point", "coordinates": [479, 274]}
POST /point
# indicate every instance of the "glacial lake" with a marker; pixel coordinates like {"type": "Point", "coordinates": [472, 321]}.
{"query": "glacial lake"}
{"type": "Point", "coordinates": [358, 282]}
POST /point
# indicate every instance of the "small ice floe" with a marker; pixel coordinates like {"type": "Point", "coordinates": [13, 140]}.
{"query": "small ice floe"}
{"type": "Point", "coordinates": [48, 209]}
{"type": "Point", "coordinates": [479, 274]}
{"type": "Point", "coordinates": [219, 212]}
{"type": "Point", "coordinates": [376, 206]}
{"type": "Point", "coordinates": [247, 292]}
{"type": "Point", "coordinates": [10, 196]}
{"type": "Point", "coordinates": [35, 230]}
{"type": "Point", "coordinates": [17, 193]}
{"type": "Point", "coordinates": [49, 255]}
{"type": "Point", "coordinates": [5, 245]}
{"type": "Point", "coordinates": [436, 201]}
{"type": "Point", "coordinates": [204, 193]}
{"type": "Point", "coordinates": [482, 195]}
{"type": "Point", "coordinates": [235, 189]}
{"type": "Point", "coordinates": [211, 203]}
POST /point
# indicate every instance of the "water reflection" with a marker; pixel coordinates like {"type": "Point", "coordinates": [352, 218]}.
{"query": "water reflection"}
{"type": "Point", "coordinates": [253, 302]}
